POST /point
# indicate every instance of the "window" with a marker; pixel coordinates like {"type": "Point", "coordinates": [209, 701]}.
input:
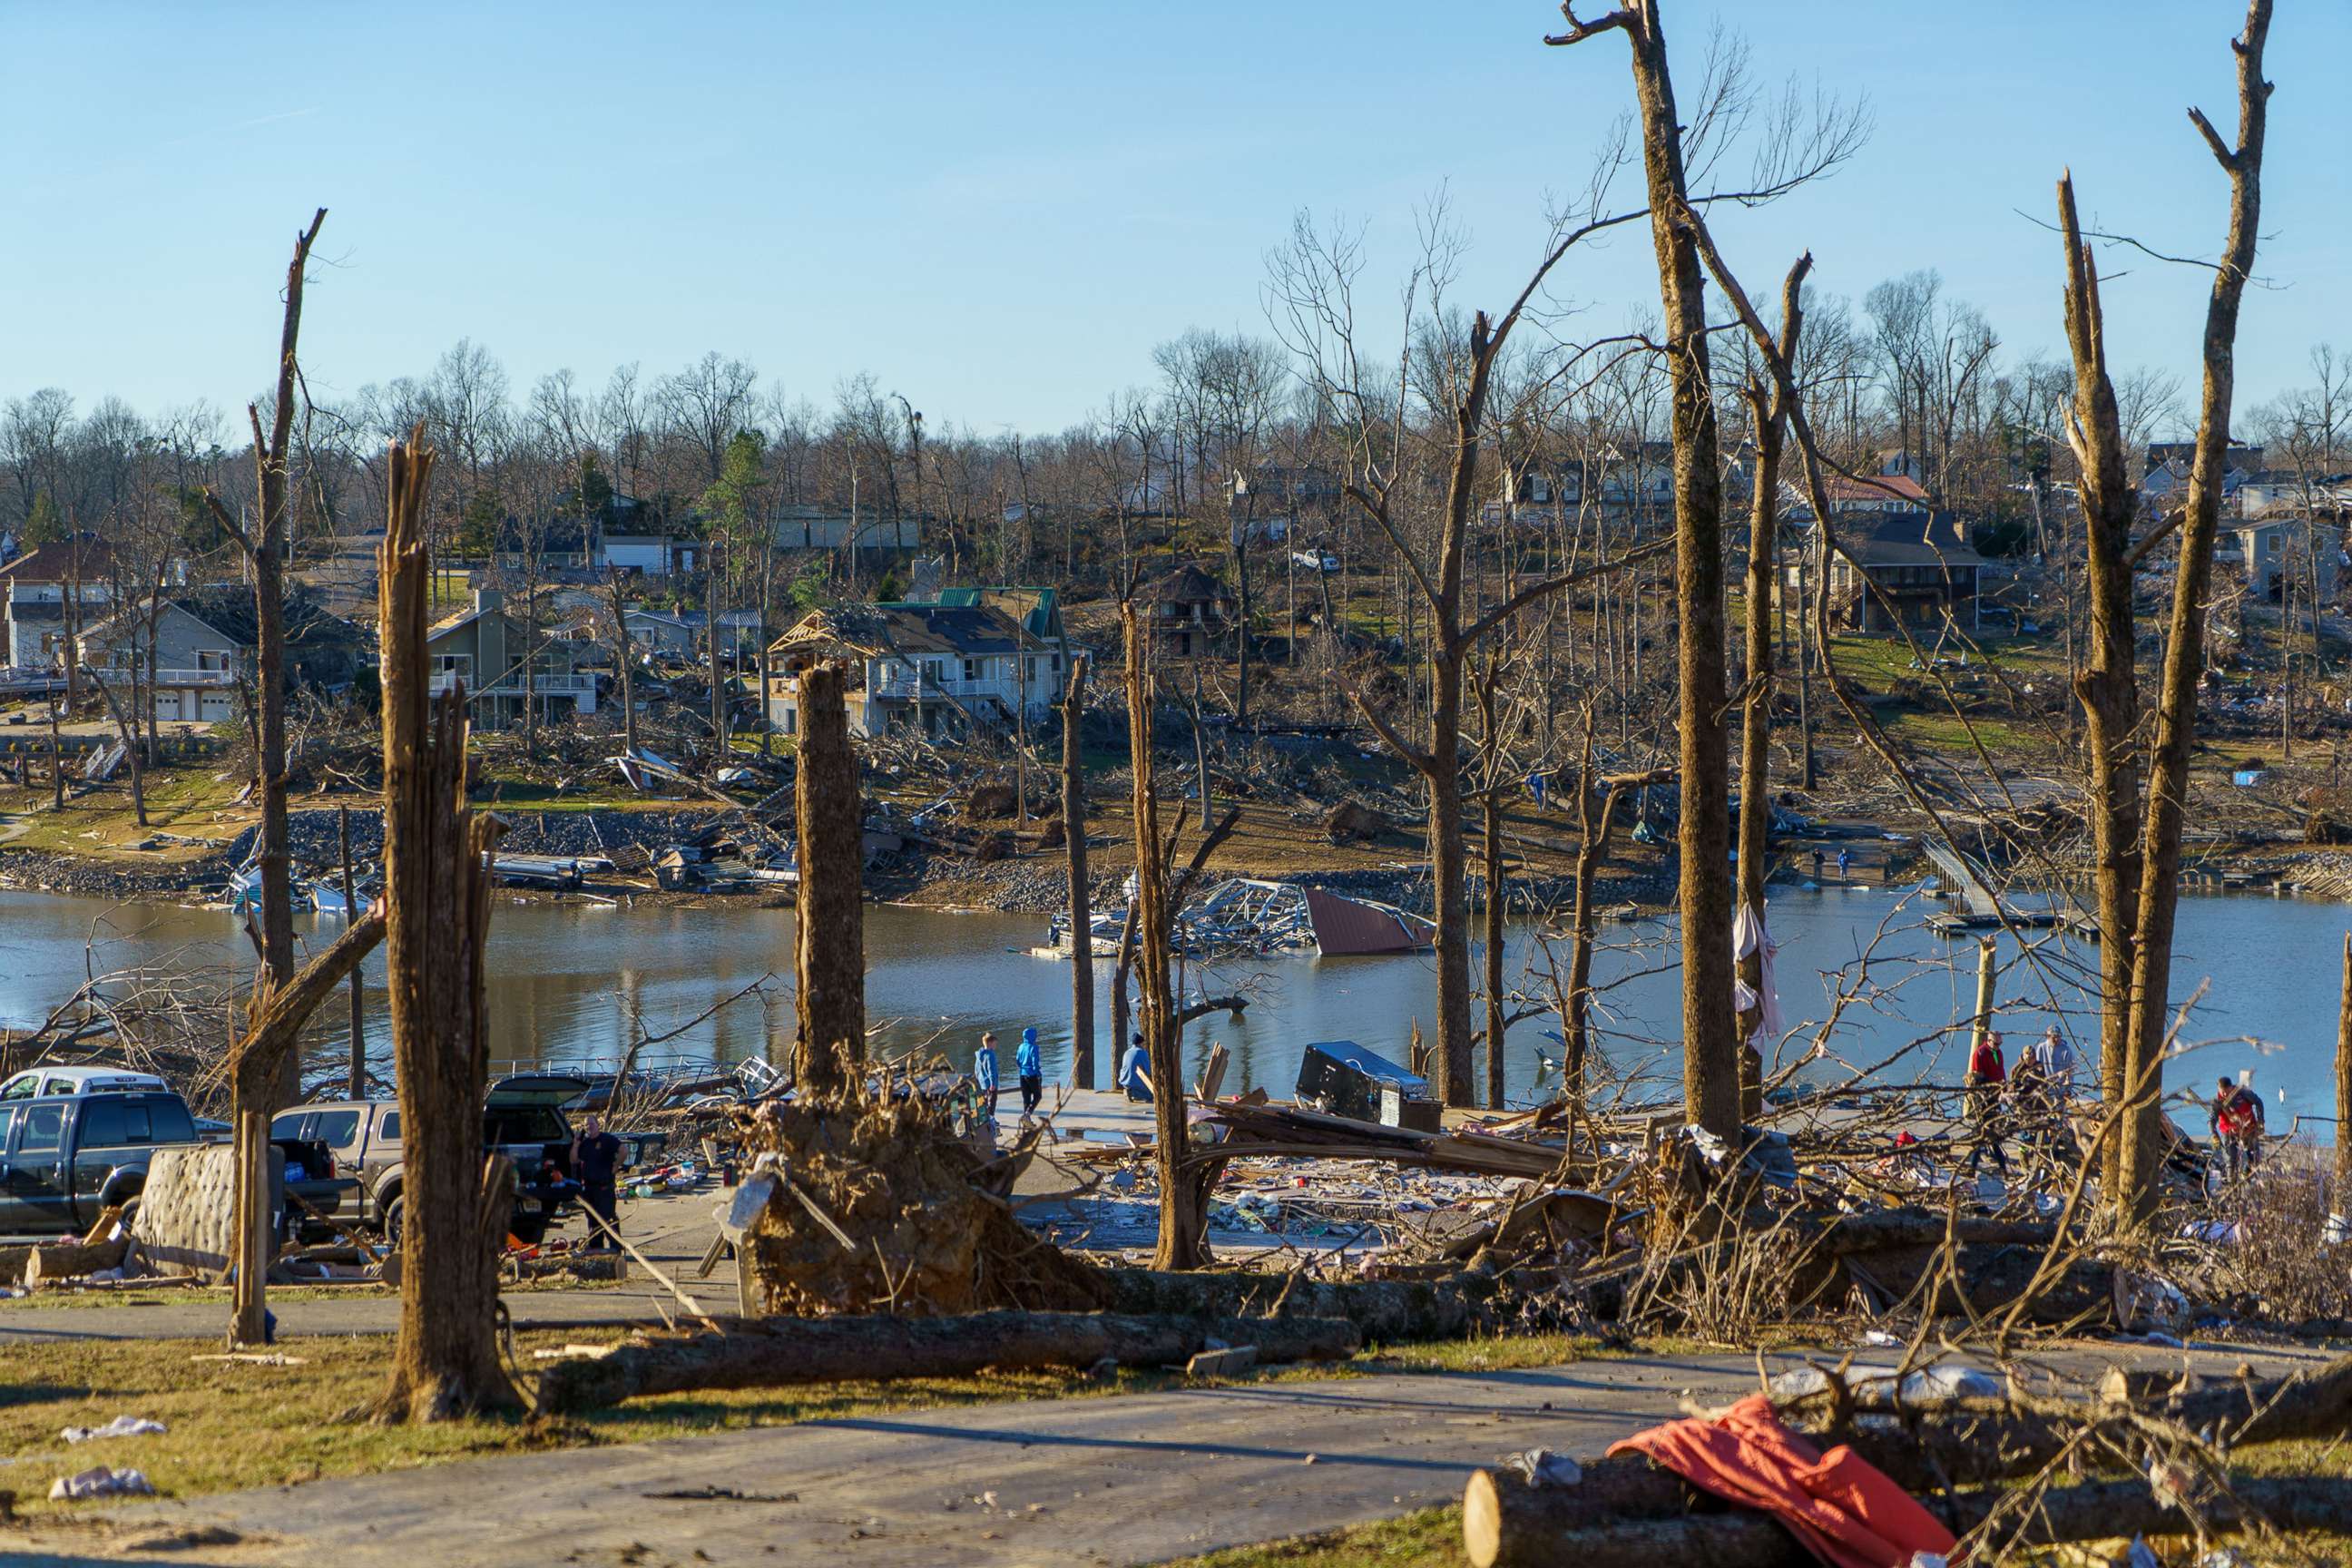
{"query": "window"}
{"type": "Point", "coordinates": [337, 1129]}
{"type": "Point", "coordinates": [168, 1120]}
{"type": "Point", "coordinates": [43, 1130]}
{"type": "Point", "coordinates": [103, 1124]}
{"type": "Point", "coordinates": [209, 658]}
{"type": "Point", "coordinates": [23, 1086]}
{"type": "Point", "coordinates": [1056, 665]}
{"type": "Point", "coordinates": [289, 1125]}
{"type": "Point", "coordinates": [972, 668]}
{"type": "Point", "coordinates": [7, 1120]}
{"type": "Point", "coordinates": [1029, 670]}
{"type": "Point", "coordinates": [388, 1130]}
{"type": "Point", "coordinates": [58, 1086]}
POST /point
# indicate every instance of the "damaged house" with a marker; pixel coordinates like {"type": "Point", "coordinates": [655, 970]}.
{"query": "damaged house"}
{"type": "Point", "coordinates": [192, 655]}
{"type": "Point", "coordinates": [503, 667]}
{"type": "Point", "coordinates": [979, 656]}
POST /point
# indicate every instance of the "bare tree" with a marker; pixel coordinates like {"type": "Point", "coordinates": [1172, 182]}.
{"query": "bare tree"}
{"type": "Point", "coordinates": [264, 545]}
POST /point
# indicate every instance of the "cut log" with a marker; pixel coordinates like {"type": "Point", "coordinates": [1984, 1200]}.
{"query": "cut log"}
{"type": "Point", "coordinates": [833, 1350]}
{"type": "Point", "coordinates": [1385, 1311]}
{"type": "Point", "coordinates": [1512, 1526]}
{"type": "Point", "coordinates": [72, 1259]}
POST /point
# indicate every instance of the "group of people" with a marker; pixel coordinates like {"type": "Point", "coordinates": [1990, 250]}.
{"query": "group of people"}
{"type": "Point", "coordinates": [1134, 1074]}
{"type": "Point", "coordinates": [2033, 1098]}
{"type": "Point", "coordinates": [1028, 1068]}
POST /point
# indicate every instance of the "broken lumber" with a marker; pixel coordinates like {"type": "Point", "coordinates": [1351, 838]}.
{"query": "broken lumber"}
{"type": "Point", "coordinates": [782, 1351]}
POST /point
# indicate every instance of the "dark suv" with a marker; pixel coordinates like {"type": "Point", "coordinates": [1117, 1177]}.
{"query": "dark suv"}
{"type": "Point", "coordinates": [523, 1118]}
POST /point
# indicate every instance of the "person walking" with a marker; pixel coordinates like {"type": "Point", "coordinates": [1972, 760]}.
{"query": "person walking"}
{"type": "Point", "coordinates": [1135, 1070]}
{"type": "Point", "coordinates": [2235, 1121]}
{"type": "Point", "coordinates": [983, 1073]}
{"type": "Point", "coordinates": [1031, 1069]}
{"type": "Point", "coordinates": [1845, 865]}
{"type": "Point", "coordinates": [1988, 1084]}
{"type": "Point", "coordinates": [597, 1166]}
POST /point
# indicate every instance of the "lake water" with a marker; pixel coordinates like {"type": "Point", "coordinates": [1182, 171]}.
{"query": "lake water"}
{"type": "Point", "coordinates": [571, 980]}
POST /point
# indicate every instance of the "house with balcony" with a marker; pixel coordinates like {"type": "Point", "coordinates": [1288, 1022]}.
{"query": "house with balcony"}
{"type": "Point", "coordinates": [982, 656]}
{"type": "Point", "coordinates": [187, 655]}
{"type": "Point", "coordinates": [485, 648]}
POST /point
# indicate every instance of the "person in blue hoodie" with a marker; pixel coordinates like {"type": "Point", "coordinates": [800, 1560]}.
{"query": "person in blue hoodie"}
{"type": "Point", "coordinates": [1032, 1071]}
{"type": "Point", "coordinates": [1135, 1070]}
{"type": "Point", "coordinates": [983, 1073]}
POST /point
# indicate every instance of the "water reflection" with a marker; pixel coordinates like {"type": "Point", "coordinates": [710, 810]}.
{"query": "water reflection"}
{"type": "Point", "coordinates": [575, 983]}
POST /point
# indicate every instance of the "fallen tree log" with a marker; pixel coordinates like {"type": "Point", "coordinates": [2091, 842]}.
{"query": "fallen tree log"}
{"type": "Point", "coordinates": [1850, 1234]}
{"type": "Point", "coordinates": [1976, 1443]}
{"type": "Point", "coordinates": [1505, 1528]}
{"type": "Point", "coordinates": [1385, 1311]}
{"type": "Point", "coordinates": [52, 1261]}
{"type": "Point", "coordinates": [782, 1351]}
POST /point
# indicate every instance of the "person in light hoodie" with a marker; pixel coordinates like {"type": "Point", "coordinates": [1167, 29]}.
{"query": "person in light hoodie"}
{"type": "Point", "coordinates": [983, 1073]}
{"type": "Point", "coordinates": [1031, 1070]}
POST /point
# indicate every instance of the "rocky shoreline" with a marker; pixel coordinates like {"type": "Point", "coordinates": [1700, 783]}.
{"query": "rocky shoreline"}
{"type": "Point", "coordinates": [1037, 885]}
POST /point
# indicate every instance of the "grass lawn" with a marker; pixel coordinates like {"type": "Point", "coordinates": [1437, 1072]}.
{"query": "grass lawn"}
{"type": "Point", "coordinates": [236, 1424]}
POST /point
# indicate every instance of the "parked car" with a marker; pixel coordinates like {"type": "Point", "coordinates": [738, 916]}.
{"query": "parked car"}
{"type": "Point", "coordinates": [1314, 560]}
{"type": "Point", "coordinates": [35, 1081]}
{"type": "Point", "coordinates": [523, 1118]}
{"type": "Point", "coordinates": [66, 1158]}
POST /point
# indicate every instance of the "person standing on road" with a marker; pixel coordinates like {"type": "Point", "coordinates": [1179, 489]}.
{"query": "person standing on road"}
{"type": "Point", "coordinates": [983, 1073]}
{"type": "Point", "coordinates": [597, 1166]}
{"type": "Point", "coordinates": [1032, 1071]}
{"type": "Point", "coordinates": [1845, 865]}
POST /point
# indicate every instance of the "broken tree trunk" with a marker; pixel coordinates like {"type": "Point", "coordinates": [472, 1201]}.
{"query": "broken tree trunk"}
{"type": "Point", "coordinates": [437, 899]}
{"type": "Point", "coordinates": [1768, 416]}
{"type": "Point", "coordinates": [2108, 687]}
{"type": "Point", "coordinates": [1073, 838]}
{"type": "Point", "coordinates": [1182, 1225]}
{"type": "Point", "coordinates": [2145, 1142]}
{"type": "Point", "coordinates": [829, 928]}
{"type": "Point", "coordinates": [828, 1350]}
{"type": "Point", "coordinates": [273, 1022]}
{"type": "Point", "coordinates": [1386, 1311]}
{"type": "Point", "coordinates": [1505, 1523]}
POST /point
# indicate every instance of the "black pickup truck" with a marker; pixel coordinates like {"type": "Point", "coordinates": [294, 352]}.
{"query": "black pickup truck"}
{"type": "Point", "coordinates": [65, 1159]}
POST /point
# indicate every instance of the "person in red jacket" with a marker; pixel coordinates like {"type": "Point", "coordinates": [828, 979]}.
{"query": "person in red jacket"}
{"type": "Point", "coordinates": [1988, 1084]}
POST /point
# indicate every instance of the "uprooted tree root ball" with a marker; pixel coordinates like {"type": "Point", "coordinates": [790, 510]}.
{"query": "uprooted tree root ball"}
{"type": "Point", "coordinates": [924, 1211]}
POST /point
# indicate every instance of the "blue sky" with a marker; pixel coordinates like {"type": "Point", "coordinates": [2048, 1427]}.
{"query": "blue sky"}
{"type": "Point", "coordinates": [999, 209]}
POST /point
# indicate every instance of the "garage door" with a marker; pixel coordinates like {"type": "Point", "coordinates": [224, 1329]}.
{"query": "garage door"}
{"type": "Point", "coordinates": [212, 707]}
{"type": "Point", "coordinates": [167, 706]}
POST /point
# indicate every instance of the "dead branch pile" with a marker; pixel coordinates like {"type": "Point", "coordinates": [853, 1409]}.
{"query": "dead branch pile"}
{"type": "Point", "coordinates": [882, 1204]}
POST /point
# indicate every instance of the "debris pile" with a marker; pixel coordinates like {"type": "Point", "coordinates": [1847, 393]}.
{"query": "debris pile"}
{"type": "Point", "coordinates": [888, 1200]}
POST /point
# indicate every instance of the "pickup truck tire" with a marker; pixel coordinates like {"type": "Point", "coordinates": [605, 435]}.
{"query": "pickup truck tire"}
{"type": "Point", "coordinates": [394, 1213]}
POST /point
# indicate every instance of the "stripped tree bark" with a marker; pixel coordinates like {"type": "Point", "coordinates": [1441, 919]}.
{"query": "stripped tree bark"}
{"type": "Point", "coordinates": [1769, 415]}
{"type": "Point", "coordinates": [1073, 838]}
{"type": "Point", "coordinates": [1183, 1240]}
{"type": "Point", "coordinates": [264, 547]}
{"type": "Point", "coordinates": [1710, 1042]}
{"type": "Point", "coordinates": [2108, 686]}
{"type": "Point", "coordinates": [829, 926]}
{"type": "Point", "coordinates": [436, 899]}
{"type": "Point", "coordinates": [2184, 653]}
